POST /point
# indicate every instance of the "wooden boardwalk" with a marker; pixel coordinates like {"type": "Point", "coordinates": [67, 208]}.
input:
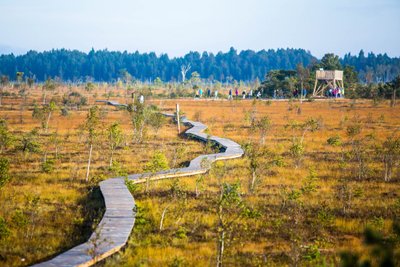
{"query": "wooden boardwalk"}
{"type": "Point", "coordinates": [112, 103]}
{"type": "Point", "coordinates": [113, 231]}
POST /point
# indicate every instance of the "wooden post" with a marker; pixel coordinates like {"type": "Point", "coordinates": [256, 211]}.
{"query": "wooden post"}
{"type": "Point", "coordinates": [315, 86]}
{"type": "Point", "coordinates": [178, 119]}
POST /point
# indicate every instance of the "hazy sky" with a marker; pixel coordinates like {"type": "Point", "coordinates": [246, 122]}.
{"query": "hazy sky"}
{"type": "Point", "coordinates": [179, 26]}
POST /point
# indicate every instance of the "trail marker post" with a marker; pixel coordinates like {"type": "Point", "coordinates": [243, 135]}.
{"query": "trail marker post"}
{"type": "Point", "coordinates": [178, 118]}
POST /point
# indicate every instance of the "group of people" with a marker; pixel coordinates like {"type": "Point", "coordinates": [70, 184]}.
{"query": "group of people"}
{"type": "Point", "coordinates": [244, 94]}
{"type": "Point", "coordinates": [300, 93]}
{"type": "Point", "coordinates": [335, 92]}
{"type": "Point", "coordinates": [231, 94]}
{"type": "Point", "coordinates": [209, 94]}
{"type": "Point", "coordinates": [297, 93]}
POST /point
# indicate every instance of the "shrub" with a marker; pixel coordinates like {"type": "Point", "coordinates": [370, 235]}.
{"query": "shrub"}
{"type": "Point", "coordinates": [19, 219]}
{"type": "Point", "coordinates": [64, 112]}
{"type": "Point", "coordinates": [48, 166]}
{"type": "Point", "coordinates": [334, 141]}
{"type": "Point", "coordinates": [181, 233]}
{"type": "Point", "coordinates": [4, 230]}
{"type": "Point", "coordinates": [4, 168]}
{"type": "Point", "coordinates": [132, 187]}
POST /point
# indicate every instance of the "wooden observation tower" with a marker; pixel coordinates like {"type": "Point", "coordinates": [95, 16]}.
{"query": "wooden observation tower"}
{"type": "Point", "coordinates": [327, 79]}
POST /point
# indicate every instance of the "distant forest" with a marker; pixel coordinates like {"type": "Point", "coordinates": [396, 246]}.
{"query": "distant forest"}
{"type": "Point", "coordinates": [248, 65]}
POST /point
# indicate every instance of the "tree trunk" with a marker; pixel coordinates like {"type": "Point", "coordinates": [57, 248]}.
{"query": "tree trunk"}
{"type": "Point", "coordinates": [197, 190]}
{"type": "Point", "coordinates": [111, 158]}
{"type": "Point", "coordinates": [89, 160]}
{"type": "Point", "coordinates": [253, 181]}
{"type": "Point", "coordinates": [44, 98]}
{"type": "Point", "coordinates": [221, 247]}
{"type": "Point", "coordinates": [263, 138]}
{"type": "Point", "coordinates": [47, 122]}
{"type": "Point", "coordinates": [388, 169]}
{"type": "Point", "coordinates": [162, 218]}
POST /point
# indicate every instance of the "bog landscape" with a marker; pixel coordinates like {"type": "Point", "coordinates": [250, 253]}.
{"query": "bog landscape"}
{"type": "Point", "coordinates": [270, 157]}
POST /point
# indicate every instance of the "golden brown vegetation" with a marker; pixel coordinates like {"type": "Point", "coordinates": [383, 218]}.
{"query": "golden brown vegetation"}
{"type": "Point", "coordinates": [312, 180]}
{"type": "Point", "coordinates": [311, 199]}
{"type": "Point", "coordinates": [46, 206]}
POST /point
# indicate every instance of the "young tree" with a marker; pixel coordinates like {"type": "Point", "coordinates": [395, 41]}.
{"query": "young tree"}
{"type": "Point", "coordinates": [91, 127]}
{"type": "Point", "coordinates": [49, 85]}
{"type": "Point", "coordinates": [303, 74]}
{"type": "Point", "coordinates": [29, 142]}
{"type": "Point", "coordinates": [157, 163]}
{"type": "Point", "coordinates": [30, 81]}
{"type": "Point", "coordinates": [195, 78]}
{"type": "Point", "coordinates": [263, 125]}
{"type": "Point", "coordinates": [140, 116]}
{"type": "Point", "coordinates": [20, 77]}
{"type": "Point", "coordinates": [390, 156]}
{"type": "Point", "coordinates": [4, 80]}
{"type": "Point", "coordinates": [395, 85]}
{"type": "Point", "coordinates": [297, 148]}
{"type": "Point", "coordinates": [48, 110]}
{"type": "Point", "coordinates": [260, 159]}
{"type": "Point", "coordinates": [6, 138]}
{"type": "Point", "coordinates": [156, 121]}
{"type": "Point", "coordinates": [359, 151]}
{"type": "Point", "coordinates": [230, 208]}
{"type": "Point", "coordinates": [179, 152]}
{"type": "Point", "coordinates": [115, 138]}
{"type": "Point", "coordinates": [4, 171]}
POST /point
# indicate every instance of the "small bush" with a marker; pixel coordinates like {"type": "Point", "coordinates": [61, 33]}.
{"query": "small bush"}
{"type": "Point", "coordinates": [334, 141]}
{"type": "Point", "coordinates": [181, 233]}
{"type": "Point", "coordinates": [132, 187]}
{"type": "Point", "coordinates": [4, 168]}
{"type": "Point", "coordinates": [48, 166]}
{"type": "Point", "coordinates": [64, 112]}
{"type": "Point", "coordinates": [4, 230]}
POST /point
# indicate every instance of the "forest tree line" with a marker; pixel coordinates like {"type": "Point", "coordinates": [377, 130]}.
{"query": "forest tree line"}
{"type": "Point", "coordinates": [248, 65]}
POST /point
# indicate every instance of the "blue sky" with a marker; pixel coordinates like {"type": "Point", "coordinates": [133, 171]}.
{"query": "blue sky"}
{"type": "Point", "coordinates": [179, 26]}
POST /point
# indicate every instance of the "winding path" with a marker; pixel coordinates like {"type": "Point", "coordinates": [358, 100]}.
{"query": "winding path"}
{"type": "Point", "coordinates": [113, 231]}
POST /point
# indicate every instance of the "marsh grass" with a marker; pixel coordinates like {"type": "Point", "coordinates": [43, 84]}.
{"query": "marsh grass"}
{"type": "Point", "coordinates": [304, 221]}
{"type": "Point", "coordinates": [48, 212]}
{"type": "Point", "coordinates": [47, 206]}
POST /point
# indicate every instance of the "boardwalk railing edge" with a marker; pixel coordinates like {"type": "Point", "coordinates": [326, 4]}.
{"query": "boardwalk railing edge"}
{"type": "Point", "coordinates": [113, 231]}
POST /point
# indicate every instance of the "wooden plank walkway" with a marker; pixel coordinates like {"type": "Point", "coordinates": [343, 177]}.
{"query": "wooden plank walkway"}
{"type": "Point", "coordinates": [113, 231]}
{"type": "Point", "coordinates": [112, 103]}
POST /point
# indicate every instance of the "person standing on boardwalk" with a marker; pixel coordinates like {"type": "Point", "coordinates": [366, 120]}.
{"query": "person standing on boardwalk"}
{"type": "Point", "coordinates": [209, 93]}
{"type": "Point", "coordinates": [251, 94]}
{"type": "Point", "coordinates": [236, 93]}
{"type": "Point", "coordinates": [216, 94]}
{"type": "Point", "coordinates": [230, 94]}
{"type": "Point", "coordinates": [141, 99]}
{"type": "Point", "coordinates": [244, 94]}
{"type": "Point", "coordinates": [200, 93]}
